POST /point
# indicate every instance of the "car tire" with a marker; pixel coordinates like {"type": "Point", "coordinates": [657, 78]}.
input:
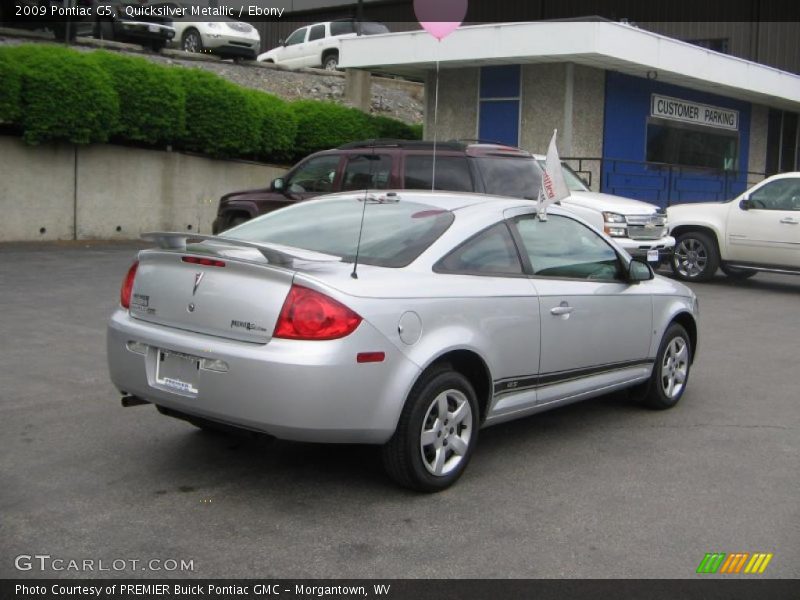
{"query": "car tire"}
{"type": "Point", "coordinates": [235, 222]}
{"type": "Point", "coordinates": [436, 434]}
{"type": "Point", "coordinates": [735, 273]}
{"type": "Point", "coordinates": [330, 62]}
{"type": "Point", "coordinates": [191, 41]}
{"type": "Point", "coordinates": [670, 371]}
{"type": "Point", "coordinates": [695, 257]}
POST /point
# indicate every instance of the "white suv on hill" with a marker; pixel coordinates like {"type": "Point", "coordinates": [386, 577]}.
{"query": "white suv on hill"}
{"type": "Point", "coordinates": [757, 231]}
{"type": "Point", "coordinates": [318, 45]}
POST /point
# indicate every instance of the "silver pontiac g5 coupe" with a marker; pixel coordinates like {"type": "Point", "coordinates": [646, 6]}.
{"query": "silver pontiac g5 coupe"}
{"type": "Point", "coordinates": [405, 319]}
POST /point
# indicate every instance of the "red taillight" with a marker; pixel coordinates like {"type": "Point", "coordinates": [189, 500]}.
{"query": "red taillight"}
{"type": "Point", "coordinates": [206, 262]}
{"type": "Point", "coordinates": [311, 315]}
{"type": "Point", "coordinates": [127, 286]}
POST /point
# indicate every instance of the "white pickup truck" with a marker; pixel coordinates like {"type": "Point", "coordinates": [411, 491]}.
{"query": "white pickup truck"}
{"type": "Point", "coordinates": [639, 227]}
{"type": "Point", "coordinates": [756, 231]}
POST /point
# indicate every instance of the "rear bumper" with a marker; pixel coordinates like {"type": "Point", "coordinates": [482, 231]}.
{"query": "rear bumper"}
{"type": "Point", "coordinates": [304, 391]}
{"type": "Point", "coordinates": [145, 30]}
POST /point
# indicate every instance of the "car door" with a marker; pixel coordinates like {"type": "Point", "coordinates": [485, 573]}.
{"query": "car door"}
{"type": "Point", "coordinates": [292, 53]}
{"type": "Point", "coordinates": [765, 228]}
{"type": "Point", "coordinates": [312, 49]}
{"type": "Point", "coordinates": [596, 328]}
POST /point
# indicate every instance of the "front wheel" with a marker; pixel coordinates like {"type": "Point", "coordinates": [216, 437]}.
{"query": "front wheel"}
{"type": "Point", "coordinates": [192, 42]}
{"type": "Point", "coordinates": [436, 434]}
{"type": "Point", "coordinates": [671, 370]}
{"type": "Point", "coordinates": [695, 257]}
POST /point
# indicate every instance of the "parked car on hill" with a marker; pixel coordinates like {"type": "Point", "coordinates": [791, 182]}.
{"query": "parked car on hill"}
{"type": "Point", "coordinates": [637, 226]}
{"type": "Point", "coordinates": [134, 22]}
{"type": "Point", "coordinates": [757, 231]}
{"type": "Point", "coordinates": [466, 310]}
{"type": "Point", "coordinates": [221, 36]}
{"type": "Point", "coordinates": [318, 45]}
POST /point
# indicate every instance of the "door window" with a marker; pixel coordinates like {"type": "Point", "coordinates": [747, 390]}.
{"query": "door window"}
{"type": "Point", "coordinates": [563, 248]}
{"type": "Point", "coordinates": [367, 171]}
{"type": "Point", "coordinates": [317, 32]}
{"type": "Point", "coordinates": [314, 176]}
{"type": "Point", "coordinates": [452, 173]}
{"type": "Point", "coordinates": [298, 37]}
{"type": "Point", "coordinates": [782, 194]}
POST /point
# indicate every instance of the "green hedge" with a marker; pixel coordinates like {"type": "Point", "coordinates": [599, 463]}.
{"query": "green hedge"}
{"type": "Point", "coordinates": [65, 95]}
{"type": "Point", "coordinates": [56, 93]}
{"type": "Point", "coordinates": [10, 90]}
{"type": "Point", "coordinates": [152, 101]}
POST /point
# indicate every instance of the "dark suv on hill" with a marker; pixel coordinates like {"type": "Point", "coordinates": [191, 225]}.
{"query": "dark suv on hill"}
{"type": "Point", "coordinates": [461, 167]}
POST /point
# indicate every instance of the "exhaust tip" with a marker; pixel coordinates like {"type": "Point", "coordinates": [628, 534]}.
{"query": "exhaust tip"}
{"type": "Point", "coordinates": [128, 401]}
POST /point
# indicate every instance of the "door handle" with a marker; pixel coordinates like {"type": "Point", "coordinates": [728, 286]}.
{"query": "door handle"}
{"type": "Point", "coordinates": [564, 309]}
{"type": "Point", "coordinates": [789, 221]}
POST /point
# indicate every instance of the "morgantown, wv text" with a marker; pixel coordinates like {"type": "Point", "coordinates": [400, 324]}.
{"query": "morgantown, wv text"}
{"type": "Point", "coordinates": [123, 590]}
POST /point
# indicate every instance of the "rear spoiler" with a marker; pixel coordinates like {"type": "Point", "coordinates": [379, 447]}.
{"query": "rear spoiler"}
{"type": "Point", "coordinates": [276, 254]}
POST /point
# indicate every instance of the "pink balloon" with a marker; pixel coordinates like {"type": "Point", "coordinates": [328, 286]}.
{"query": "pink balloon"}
{"type": "Point", "coordinates": [440, 17]}
{"type": "Point", "coordinates": [440, 29]}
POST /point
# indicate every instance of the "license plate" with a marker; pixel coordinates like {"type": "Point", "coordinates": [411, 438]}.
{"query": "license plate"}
{"type": "Point", "coordinates": [178, 372]}
{"type": "Point", "coordinates": [652, 256]}
{"type": "Point", "coordinates": [153, 28]}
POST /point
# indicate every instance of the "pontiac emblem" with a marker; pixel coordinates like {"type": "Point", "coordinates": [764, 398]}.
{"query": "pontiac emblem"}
{"type": "Point", "coordinates": [198, 277]}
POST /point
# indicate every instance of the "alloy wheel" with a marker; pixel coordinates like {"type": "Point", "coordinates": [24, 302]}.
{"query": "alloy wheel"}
{"type": "Point", "coordinates": [691, 258]}
{"type": "Point", "coordinates": [675, 367]}
{"type": "Point", "coordinates": [446, 432]}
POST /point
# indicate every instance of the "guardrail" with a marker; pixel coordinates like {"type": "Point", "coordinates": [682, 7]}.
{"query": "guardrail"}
{"type": "Point", "coordinates": [660, 183]}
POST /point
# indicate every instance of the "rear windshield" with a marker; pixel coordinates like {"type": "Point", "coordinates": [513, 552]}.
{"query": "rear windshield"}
{"type": "Point", "coordinates": [394, 233]}
{"type": "Point", "coordinates": [506, 176]}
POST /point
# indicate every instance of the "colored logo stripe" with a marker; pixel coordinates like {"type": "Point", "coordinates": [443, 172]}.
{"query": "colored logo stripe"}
{"type": "Point", "coordinates": [759, 562]}
{"type": "Point", "coordinates": [721, 562]}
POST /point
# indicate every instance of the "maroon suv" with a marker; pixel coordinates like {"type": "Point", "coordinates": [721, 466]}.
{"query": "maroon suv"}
{"type": "Point", "coordinates": [461, 167]}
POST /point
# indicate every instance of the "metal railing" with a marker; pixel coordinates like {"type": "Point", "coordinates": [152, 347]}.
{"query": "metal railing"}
{"type": "Point", "coordinates": [660, 183]}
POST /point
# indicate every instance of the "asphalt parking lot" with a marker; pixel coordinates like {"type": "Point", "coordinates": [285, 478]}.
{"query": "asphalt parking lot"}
{"type": "Point", "coordinates": [599, 489]}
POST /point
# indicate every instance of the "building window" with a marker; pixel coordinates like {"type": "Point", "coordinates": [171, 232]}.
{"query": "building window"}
{"type": "Point", "coordinates": [692, 146]}
{"type": "Point", "coordinates": [783, 142]}
{"type": "Point", "coordinates": [499, 104]}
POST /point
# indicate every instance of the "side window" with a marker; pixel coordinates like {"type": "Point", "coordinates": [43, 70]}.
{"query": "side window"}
{"type": "Point", "coordinates": [563, 248]}
{"type": "Point", "coordinates": [367, 171]}
{"type": "Point", "coordinates": [452, 173]}
{"type": "Point", "coordinates": [342, 27]}
{"type": "Point", "coordinates": [315, 175]}
{"type": "Point", "coordinates": [298, 37]}
{"type": "Point", "coordinates": [317, 32]}
{"type": "Point", "coordinates": [783, 194]}
{"type": "Point", "coordinates": [491, 252]}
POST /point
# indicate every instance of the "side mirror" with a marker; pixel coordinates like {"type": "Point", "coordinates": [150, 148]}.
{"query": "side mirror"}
{"type": "Point", "coordinates": [639, 270]}
{"type": "Point", "coordinates": [745, 204]}
{"type": "Point", "coordinates": [277, 185]}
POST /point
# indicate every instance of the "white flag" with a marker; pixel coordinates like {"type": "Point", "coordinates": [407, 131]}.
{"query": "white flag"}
{"type": "Point", "coordinates": [554, 188]}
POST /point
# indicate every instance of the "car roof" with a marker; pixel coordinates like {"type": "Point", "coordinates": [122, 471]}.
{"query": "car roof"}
{"type": "Point", "coordinates": [465, 146]}
{"type": "Point", "coordinates": [450, 201]}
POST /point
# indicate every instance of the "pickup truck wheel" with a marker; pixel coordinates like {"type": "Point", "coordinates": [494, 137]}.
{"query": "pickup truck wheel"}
{"type": "Point", "coordinates": [695, 257]}
{"type": "Point", "coordinates": [330, 62]}
{"type": "Point", "coordinates": [735, 273]}
{"type": "Point", "coordinates": [670, 371]}
{"type": "Point", "coordinates": [235, 222]}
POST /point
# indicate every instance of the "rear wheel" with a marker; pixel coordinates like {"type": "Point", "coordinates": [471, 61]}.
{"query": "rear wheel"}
{"type": "Point", "coordinates": [671, 370]}
{"type": "Point", "coordinates": [436, 434]}
{"type": "Point", "coordinates": [695, 257]}
{"type": "Point", "coordinates": [236, 221]}
{"type": "Point", "coordinates": [735, 273]}
{"type": "Point", "coordinates": [330, 62]}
